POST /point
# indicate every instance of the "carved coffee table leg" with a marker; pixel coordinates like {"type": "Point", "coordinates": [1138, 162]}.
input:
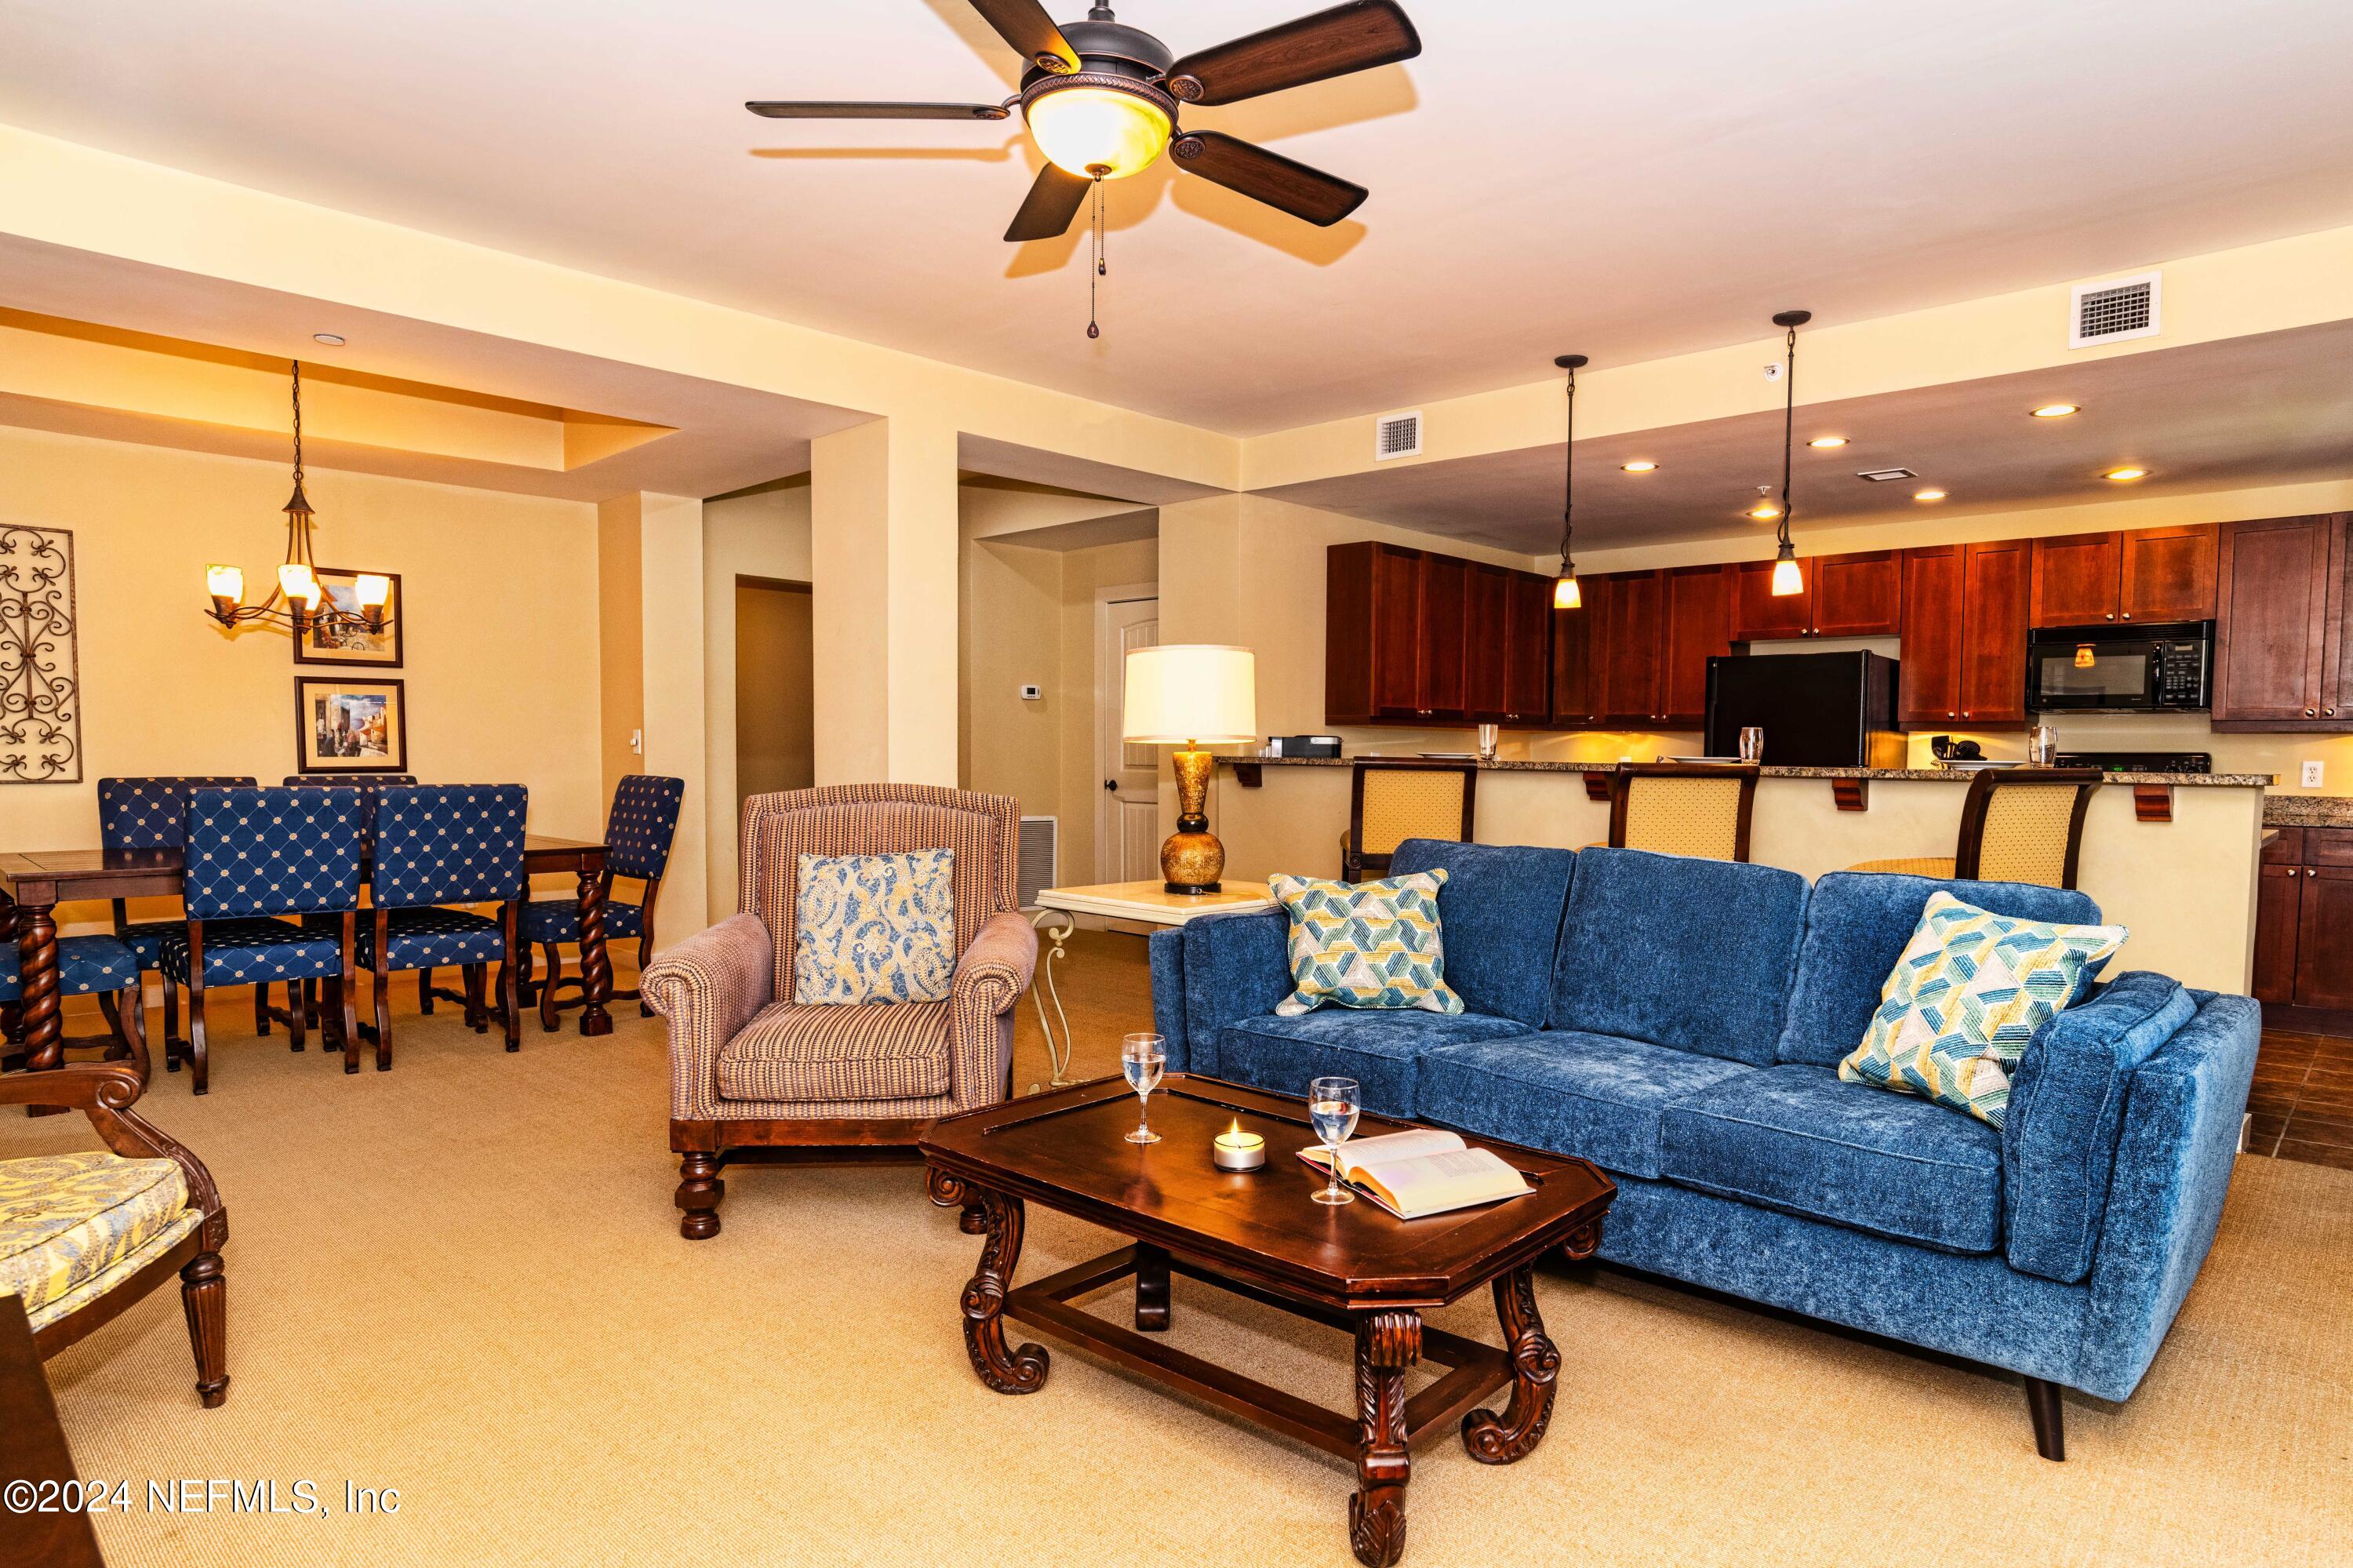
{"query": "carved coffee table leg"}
{"type": "Point", "coordinates": [1018, 1371]}
{"type": "Point", "coordinates": [36, 969]}
{"type": "Point", "coordinates": [1151, 1289]}
{"type": "Point", "coordinates": [1388, 1342]}
{"type": "Point", "coordinates": [595, 966]}
{"type": "Point", "coordinates": [1500, 1439]}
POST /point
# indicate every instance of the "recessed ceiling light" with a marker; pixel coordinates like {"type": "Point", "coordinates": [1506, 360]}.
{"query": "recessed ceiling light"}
{"type": "Point", "coordinates": [331, 339]}
{"type": "Point", "coordinates": [1826, 441]}
{"type": "Point", "coordinates": [1763, 511]}
{"type": "Point", "coordinates": [2126, 475]}
{"type": "Point", "coordinates": [2054, 410]}
{"type": "Point", "coordinates": [1639, 465]}
{"type": "Point", "coordinates": [1927, 495]}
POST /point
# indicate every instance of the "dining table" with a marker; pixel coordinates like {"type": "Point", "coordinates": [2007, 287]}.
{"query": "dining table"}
{"type": "Point", "coordinates": [33, 883]}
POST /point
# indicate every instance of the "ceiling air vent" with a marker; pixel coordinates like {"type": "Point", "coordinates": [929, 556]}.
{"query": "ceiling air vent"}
{"type": "Point", "coordinates": [1396, 436]}
{"type": "Point", "coordinates": [2114, 311]}
{"type": "Point", "coordinates": [1886, 476]}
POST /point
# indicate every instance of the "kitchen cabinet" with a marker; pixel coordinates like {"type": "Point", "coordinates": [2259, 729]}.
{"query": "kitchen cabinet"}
{"type": "Point", "coordinates": [1577, 649]}
{"type": "Point", "coordinates": [1964, 620]}
{"type": "Point", "coordinates": [1444, 667]}
{"type": "Point", "coordinates": [1508, 626]}
{"type": "Point", "coordinates": [1695, 625]}
{"type": "Point", "coordinates": [2144, 575]}
{"type": "Point", "coordinates": [1845, 596]}
{"type": "Point", "coordinates": [1629, 650]}
{"type": "Point", "coordinates": [2304, 919]}
{"type": "Point", "coordinates": [2280, 649]}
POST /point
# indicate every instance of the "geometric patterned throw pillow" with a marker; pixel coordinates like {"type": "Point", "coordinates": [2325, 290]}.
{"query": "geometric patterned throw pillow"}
{"type": "Point", "coordinates": [874, 928]}
{"type": "Point", "coordinates": [1365, 944]}
{"type": "Point", "coordinates": [1965, 999]}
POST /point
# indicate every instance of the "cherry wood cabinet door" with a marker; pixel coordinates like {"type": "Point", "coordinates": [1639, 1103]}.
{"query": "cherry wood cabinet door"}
{"type": "Point", "coordinates": [1857, 596]}
{"type": "Point", "coordinates": [2076, 579]}
{"type": "Point", "coordinates": [2324, 938]}
{"type": "Point", "coordinates": [1696, 607]}
{"type": "Point", "coordinates": [2279, 893]}
{"type": "Point", "coordinates": [1527, 658]}
{"type": "Point", "coordinates": [1445, 667]}
{"type": "Point", "coordinates": [1629, 650]}
{"type": "Point", "coordinates": [1929, 691]}
{"type": "Point", "coordinates": [1757, 616]}
{"type": "Point", "coordinates": [1577, 655]}
{"type": "Point", "coordinates": [2272, 640]}
{"type": "Point", "coordinates": [1486, 632]}
{"type": "Point", "coordinates": [2168, 573]}
{"type": "Point", "coordinates": [1995, 593]}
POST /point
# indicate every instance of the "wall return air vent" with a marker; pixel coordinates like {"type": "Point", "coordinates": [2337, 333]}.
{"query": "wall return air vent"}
{"type": "Point", "coordinates": [2114, 311]}
{"type": "Point", "coordinates": [1396, 436]}
{"type": "Point", "coordinates": [1034, 868]}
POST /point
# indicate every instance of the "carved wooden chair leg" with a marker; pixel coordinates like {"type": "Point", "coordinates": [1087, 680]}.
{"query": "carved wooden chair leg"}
{"type": "Point", "coordinates": [478, 1014]}
{"type": "Point", "coordinates": [2049, 1418]}
{"type": "Point", "coordinates": [424, 992]}
{"type": "Point", "coordinates": [199, 1066]}
{"type": "Point", "coordinates": [204, 1292]}
{"type": "Point", "coordinates": [342, 992]}
{"type": "Point", "coordinates": [261, 1010]}
{"type": "Point", "coordinates": [295, 1013]}
{"type": "Point", "coordinates": [548, 1022]}
{"type": "Point", "coordinates": [119, 1047]}
{"type": "Point", "coordinates": [510, 972]}
{"type": "Point", "coordinates": [698, 1193]}
{"type": "Point", "coordinates": [130, 1023]}
{"type": "Point", "coordinates": [12, 1023]}
{"type": "Point", "coordinates": [526, 987]}
{"type": "Point", "coordinates": [383, 989]}
{"type": "Point", "coordinates": [171, 1026]}
{"type": "Point", "coordinates": [310, 989]}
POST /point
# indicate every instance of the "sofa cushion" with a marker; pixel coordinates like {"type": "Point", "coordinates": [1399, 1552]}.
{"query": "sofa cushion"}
{"type": "Point", "coordinates": [1594, 1096]}
{"type": "Point", "coordinates": [1797, 1139]}
{"type": "Point", "coordinates": [70, 1221]}
{"type": "Point", "coordinates": [1965, 999]}
{"type": "Point", "coordinates": [1375, 945]}
{"type": "Point", "coordinates": [1382, 1051]}
{"type": "Point", "coordinates": [795, 1051]}
{"type": "Point", "coordinates": [1501, 910]}
{"type": "Point", "coordinates": [2066, 1107]}
{"type": "Point", "coordinates": [874, 928]}
{"type": "Point", "coordinates": [1857, 924]}
{"type": "Point", "coordinates": [1695, 954]}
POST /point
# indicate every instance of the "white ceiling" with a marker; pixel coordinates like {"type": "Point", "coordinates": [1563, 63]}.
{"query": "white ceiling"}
{"type": "Point", "coordinates": [1629, 181]}
{"type": "Point", "coordinates": [2270, 409]}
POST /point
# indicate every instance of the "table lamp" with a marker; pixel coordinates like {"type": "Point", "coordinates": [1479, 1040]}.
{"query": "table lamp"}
{"type": "Point", "coordinates": [1184, 696]}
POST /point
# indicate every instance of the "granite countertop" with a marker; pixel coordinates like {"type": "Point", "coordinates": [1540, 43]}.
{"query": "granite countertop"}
{"type": "Point", "coordinates": [1900, 775]}
{"type": "Point", "coordinates": [2308, 812]}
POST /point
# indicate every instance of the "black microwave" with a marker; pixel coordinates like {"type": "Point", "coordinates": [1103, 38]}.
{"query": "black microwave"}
{"type": "Point", "coordinates": [2117, 669]}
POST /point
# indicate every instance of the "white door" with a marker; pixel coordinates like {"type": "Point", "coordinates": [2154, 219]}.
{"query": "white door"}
{"type": "Point", "coordinates": [1127, 823]}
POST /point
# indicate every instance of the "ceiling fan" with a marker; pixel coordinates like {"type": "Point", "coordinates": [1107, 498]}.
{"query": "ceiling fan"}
{"type": "Point", "coordinates": [1101, 100]}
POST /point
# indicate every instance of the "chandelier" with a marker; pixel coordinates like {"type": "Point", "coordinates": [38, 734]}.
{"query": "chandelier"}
{"type": "Point", "coordinates": [298, 601]}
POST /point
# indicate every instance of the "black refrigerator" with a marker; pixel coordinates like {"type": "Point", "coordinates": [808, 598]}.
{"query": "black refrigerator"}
{"type": "Point", "coordinates": [1816, 710]}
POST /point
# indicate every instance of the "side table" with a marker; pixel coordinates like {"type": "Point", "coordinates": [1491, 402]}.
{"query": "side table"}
{"type": "Point", "coordinates": [1148, 903]}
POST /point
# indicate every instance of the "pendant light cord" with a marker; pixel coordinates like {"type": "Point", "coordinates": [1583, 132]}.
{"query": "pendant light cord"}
{"type": "Point", "coordinates": [1788, 431]}
{"type": "Point", "coordinates": [297, 423]}
{"type": "Point", "coordinates": [1569, 478]}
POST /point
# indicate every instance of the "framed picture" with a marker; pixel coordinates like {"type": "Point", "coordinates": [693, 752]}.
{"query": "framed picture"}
{"type": "Point", "coordinates": [351, 645]}
{"type": "Point", "coordinates": [350, 726]}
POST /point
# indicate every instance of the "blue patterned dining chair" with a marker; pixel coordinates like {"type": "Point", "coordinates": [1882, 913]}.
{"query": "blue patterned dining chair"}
{"type": "Point", "coordinates": [152, 813]}
{"type": "Point", "coordinates": [254, 855]}
{"type": "Point", "coordinates": [369, 785]}
{"type": "Point", "coordinates": [637, 845]}
{"type": "Point", "coordinates": [102, 967]}
{"type": "Point", "coordinates": [438, 844]}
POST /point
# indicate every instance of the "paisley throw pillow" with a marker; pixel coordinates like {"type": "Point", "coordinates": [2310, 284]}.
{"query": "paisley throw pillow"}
{"type": "Point", "coordinates": [874, 928]}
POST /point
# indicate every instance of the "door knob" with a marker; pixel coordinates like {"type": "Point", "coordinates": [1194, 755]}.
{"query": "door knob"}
{"type": "Point", "coordinates": [1111, 784]}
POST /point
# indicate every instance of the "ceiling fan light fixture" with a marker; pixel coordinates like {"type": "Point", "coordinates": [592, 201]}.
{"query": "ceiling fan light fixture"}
{"type": "Point", "coordinates": [1096, 131]}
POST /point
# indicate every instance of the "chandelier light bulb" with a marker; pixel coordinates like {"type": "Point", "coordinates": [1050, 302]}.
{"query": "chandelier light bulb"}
{"type": "Point", "coordinates": [295, 581]}
{"type": "Point", "coordinates": [373, 589]}
{"type": "Point", "coordinates": [224, 582]}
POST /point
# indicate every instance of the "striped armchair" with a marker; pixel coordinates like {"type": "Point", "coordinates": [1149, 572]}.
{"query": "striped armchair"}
{"type": "Point", "coordinates": [754, 1074]}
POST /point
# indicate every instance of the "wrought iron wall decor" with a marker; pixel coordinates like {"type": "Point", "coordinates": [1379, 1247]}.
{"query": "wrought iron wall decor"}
{"type": "Point", "coordinates": [40, 672]}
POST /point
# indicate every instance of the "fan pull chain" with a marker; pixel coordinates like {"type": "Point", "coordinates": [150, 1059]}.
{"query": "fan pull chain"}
{"type": "Point", "coordinates": [1102, 267]}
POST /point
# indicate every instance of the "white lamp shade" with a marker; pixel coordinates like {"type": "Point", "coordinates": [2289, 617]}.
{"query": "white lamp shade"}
{"type": "Point", "coordinates": [1183, 692]}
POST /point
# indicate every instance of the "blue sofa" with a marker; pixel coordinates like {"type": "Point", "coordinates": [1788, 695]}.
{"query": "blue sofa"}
{"type": "Point", "coordinates": [1679, 1022]}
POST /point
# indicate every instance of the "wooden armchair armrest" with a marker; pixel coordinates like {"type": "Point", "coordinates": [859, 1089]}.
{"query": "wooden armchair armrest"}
{"type": "Point", "coordinates": [105, 1092]}
{"type": "Point", "coordinates": [82, 1085]}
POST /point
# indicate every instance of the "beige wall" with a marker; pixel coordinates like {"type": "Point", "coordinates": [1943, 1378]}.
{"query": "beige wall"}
{"type": "Point", "coordinates": [762, 533]}
{"type": "Point", "coordinates": [501, 673]}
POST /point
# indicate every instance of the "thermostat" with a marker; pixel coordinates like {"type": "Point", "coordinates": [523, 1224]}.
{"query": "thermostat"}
{"type": "Point", "coordinates": [1030, 692]}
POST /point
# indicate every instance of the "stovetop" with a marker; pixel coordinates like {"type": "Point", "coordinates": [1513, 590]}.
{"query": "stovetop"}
{"type": "Point", "coordinates": [2138, 761]}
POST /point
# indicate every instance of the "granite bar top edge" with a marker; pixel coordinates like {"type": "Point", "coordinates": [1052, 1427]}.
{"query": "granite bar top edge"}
{"type": "Point", "coordinates": [1894, 775]}
{"type": "Point", "coordinates": [2308, 812]}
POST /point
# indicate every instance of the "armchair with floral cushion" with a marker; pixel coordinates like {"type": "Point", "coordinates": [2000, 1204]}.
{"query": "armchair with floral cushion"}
{"type": "Point", "coordinates": [756, 1074]}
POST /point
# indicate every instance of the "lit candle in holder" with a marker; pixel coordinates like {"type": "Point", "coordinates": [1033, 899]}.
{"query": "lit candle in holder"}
{"type": "Point", "coordinates": [1237, 1150]}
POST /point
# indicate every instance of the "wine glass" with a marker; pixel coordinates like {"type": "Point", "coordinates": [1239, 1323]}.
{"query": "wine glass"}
{"type": "Point", "coordinates": [1142, 1057]}
{"type": "Point", "coordinates": [1332, 1104]}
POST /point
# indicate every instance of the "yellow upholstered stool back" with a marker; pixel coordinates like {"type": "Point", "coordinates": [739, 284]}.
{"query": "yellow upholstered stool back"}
{"type": "Point", "coordinates": [1389, 804]}
{"type": "Point", "coordinates": [2025, 825]}
{"type": "Point", "coordinates": [1699, 809]}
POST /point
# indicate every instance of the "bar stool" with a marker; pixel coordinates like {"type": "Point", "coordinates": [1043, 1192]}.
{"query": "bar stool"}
{"type": "Point", "coordinates": [1390, 803]}
{"type": "Point", "coordinates": [2018, 824]}
{"type": "Point", "coordinates": [1696, 808]}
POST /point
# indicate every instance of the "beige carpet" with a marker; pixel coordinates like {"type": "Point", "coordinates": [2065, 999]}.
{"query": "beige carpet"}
{"type": "Point", "coordinates": [463, 1280]}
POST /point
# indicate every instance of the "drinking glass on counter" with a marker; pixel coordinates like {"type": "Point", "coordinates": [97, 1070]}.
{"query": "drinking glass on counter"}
{"type": "Point", "coordinates": [1141, 1058]}
{"type": "Point", "coordinates": [1488, 736]}
{"type": "Point", "coordinates": [2041, 745]}
{"type": "Point", "coordinates": [1332, 1104]}
{"type": "Point", "coordinates": [1752, 742]}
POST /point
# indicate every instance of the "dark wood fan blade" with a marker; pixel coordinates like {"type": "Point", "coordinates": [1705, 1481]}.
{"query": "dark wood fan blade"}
{"type": "Point", "coordinates": [1322, 199]}
{"type": "Point", "coordinates": [1351, 37]}
{"type": "Point", "coordinates": [1051, 205]}
{"type": "Point", "coordinates": [1024, 24]}
{"type": "Point", "coordinates": [780, 110]}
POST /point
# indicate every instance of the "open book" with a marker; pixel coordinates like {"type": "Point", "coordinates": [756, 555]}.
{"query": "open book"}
{"type": "Point", "coordinates": [1422, 1172]}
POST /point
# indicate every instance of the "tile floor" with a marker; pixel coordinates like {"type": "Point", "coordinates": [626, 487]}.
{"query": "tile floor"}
{"type": "Point", "coordinates": [2302, 1104]}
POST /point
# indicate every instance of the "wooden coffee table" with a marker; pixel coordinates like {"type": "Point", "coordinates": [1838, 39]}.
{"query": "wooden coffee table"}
{"type": "Point", "coordinates": [1356, 1268]}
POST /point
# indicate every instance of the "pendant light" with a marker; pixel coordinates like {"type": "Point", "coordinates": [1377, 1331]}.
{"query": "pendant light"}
{"type": "Point", "coordinates": [1787, 576]}
{"type": "Point", "coordinates": [1564, 592]}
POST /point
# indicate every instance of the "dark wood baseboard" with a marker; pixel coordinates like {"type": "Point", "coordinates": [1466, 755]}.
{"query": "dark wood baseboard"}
{"type": "Point", "coordinates": [2293, 1019]}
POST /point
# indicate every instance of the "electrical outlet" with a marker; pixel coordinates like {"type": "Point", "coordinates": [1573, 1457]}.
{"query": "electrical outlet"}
{"type": "Point", "coordinates": [1031, 691]}
{"type": "Point", "coordinates": [2312, 775]}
